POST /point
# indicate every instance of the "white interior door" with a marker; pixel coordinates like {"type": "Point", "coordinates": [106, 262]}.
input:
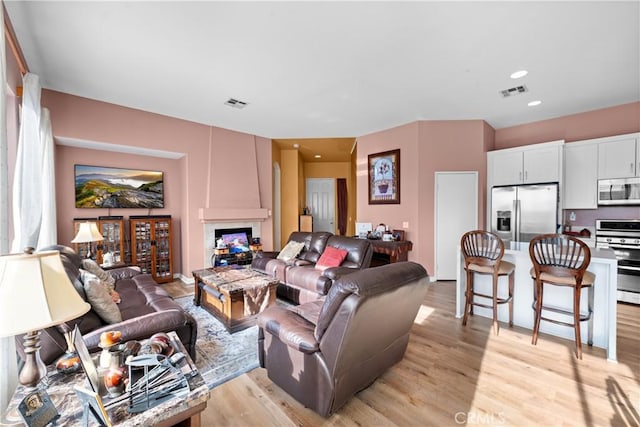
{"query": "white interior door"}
{"type": "Point", "coordinates": [456, 206]}
{"type": "Point", "coordinates": [321, 199]}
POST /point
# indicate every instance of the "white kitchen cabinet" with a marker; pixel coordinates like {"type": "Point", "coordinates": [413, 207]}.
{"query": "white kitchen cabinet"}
{"type": "Point", "coordinates": [618, 157]}
{"type": "Point", "coordinates": [526, 165]}
{"type": "Point", "coordinates": [581, 175]}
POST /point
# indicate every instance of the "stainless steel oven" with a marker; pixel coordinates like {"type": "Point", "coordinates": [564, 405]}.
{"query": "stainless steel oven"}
{"type": "Point", "coordinates": [623, 236]}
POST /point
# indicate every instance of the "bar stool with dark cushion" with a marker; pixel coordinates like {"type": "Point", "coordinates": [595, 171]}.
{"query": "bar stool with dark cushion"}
{"type": "Point", "coordinates": [562, 260]}
{"type": "Point", "coordinates": [483, 252]}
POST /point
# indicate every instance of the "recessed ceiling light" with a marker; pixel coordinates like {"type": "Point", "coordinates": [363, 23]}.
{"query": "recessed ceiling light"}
{"type": "Point", "coordinates": [317, 156]}
{"type": "Point", "coordinates": [519, 74]}
{"type": "Point", "coordinates": [534, 103]}
{"type": "Point", "coordinates": [296, 145]}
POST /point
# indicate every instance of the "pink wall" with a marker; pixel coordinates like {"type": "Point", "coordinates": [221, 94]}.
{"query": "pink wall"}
{"type": "Point", "coordinates": [405, 138]}
{"type": "Point", "coordinates": [67, 157]}
{"type": "Point", "coordinates": [201, 176]}
{"type": "Point", "coordinates": [426, 147]}
{"type": "Point", "coordinates": [591, 124]}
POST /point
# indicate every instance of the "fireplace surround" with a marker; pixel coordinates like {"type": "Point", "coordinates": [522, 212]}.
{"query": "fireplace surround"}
{"type": "Point", "coordinates": [214, 230]}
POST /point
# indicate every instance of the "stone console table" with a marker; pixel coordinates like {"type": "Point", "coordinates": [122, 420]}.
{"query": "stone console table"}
{"type": "Point", "coordinates": [603, 264]}
{"type": "Point", "coordinates": [183, 409]}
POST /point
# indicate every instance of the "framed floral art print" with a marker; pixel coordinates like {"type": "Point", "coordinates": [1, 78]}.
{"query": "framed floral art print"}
{"type": "Point", "coordinates": [384, 177]}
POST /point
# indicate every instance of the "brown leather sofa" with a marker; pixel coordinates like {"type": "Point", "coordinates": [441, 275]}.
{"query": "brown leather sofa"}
{"type": "Point", "coordinates": [325, 351]}
{"type": "Point", "coordinates": [146, 308]}
{"type": "Point", "coordinates": [300, 281]}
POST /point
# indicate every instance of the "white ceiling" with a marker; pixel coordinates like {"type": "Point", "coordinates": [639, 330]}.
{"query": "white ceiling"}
{"type": "Point", "coordinates": [335, 69]}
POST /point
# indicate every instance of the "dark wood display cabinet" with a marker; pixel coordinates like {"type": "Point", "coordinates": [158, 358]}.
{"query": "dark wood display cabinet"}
{"type": "Point", "coordinates": [151, 246]}
{"type": "Point", "coordinates": [112, 249]}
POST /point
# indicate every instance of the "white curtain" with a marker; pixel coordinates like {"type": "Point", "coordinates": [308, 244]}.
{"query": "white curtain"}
{"type": "Point", "coordinates": [8, 363]}
{"type": "Point", "coordinates": [48, 230]}
{"type": "Point", "coordinates": [27, 181]}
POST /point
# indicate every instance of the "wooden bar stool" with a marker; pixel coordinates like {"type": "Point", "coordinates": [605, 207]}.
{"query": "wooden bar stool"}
{"type": "Point", "coordinates": [483, 252]}
{"type": "Point", "coordinates": [562, 260]}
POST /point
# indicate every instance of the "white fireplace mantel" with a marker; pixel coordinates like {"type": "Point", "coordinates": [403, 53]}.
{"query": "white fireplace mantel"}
{"type": "Point", "coordinates": [232, 214]}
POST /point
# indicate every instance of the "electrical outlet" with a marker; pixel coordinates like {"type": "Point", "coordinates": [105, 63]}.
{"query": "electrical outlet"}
{"type": "Point", "coordinates": [405, 224]}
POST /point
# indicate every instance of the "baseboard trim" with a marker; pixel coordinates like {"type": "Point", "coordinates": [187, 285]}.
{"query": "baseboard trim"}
{"type": "Point", "coordinates": [184, 279]}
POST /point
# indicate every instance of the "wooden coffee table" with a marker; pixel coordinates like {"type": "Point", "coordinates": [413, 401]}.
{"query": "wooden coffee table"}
{"type": "Point", "coordinates": [234, 294]}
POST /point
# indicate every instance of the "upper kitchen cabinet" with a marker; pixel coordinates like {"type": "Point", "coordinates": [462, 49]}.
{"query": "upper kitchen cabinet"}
{"type": "Point", "coordinates": [529, 164]}
{"type": "Point", "coordinates": [581, 175]}
{"type": "Point", "coordinates": [619, 157]}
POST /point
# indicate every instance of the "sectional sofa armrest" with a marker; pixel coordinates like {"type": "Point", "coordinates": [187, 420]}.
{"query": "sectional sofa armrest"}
{"type": "Point", "coordinates": [290, 328]}
{"type": "Point", "coordinates": [124, 272]}
{"type": "Point", "coordinates": [142, 327]}
{"type": "Point", "coordinates": [268, 254]}
{"type": "Point", "coordinates": [334, 273]}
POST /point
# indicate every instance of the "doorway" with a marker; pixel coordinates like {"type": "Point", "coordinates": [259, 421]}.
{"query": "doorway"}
{"type": "Point", "coordinates": [456, 212]}
{"type": "Point", "coordinates": [277, 196]}
{"type": "Point", "coordinates": [321, 199]}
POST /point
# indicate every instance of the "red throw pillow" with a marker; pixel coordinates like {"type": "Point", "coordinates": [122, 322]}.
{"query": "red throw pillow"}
{"type": "Point", "coordinates": [331, 257]}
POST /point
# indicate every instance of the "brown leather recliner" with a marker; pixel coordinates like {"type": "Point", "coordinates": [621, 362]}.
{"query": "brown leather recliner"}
{"type": "Point", "coordinates": [325, 351]}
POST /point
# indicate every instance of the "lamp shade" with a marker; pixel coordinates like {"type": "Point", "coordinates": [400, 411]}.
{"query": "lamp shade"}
{"type": "Point", "coordinates": [35, 293]}
{"type": "Point", "coordinates": [88, 232]}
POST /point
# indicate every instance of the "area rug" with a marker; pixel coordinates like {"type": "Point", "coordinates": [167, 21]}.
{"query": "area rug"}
{"type": "Point", "coordinates": [221, 356]}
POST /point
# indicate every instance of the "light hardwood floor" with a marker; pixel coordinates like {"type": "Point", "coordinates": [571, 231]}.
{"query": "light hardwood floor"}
{"type": "Point", "coordinates": [453, 375]}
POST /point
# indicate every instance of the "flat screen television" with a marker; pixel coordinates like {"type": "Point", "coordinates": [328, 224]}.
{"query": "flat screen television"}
{"type": "Point", "coordinates": [236, 242]}
{"type": "Point", "coordinates": [107, 187]}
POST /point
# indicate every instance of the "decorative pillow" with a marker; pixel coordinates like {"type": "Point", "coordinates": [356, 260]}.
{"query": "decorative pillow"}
{"type": "Point", "coordinates": [92, 267]}
{"type": "Point", "coordinates": [290, 251]}
{"type": "Point", "coordinates": [331, 257]}
{"type": "Point", "coordinates": [99, 298]}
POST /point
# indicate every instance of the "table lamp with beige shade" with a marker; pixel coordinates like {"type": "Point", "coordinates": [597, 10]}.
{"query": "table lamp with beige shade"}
{"type": "Point", "coordinates": [35, 293]}
{"type": "Point", "coordinates": [87, 233]}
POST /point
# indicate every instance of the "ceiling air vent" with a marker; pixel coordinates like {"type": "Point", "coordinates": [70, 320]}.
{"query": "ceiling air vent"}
{"type": "Point", "coordinates": [513, 91]}
{"type": "Point", "coordinates": [232, 102]}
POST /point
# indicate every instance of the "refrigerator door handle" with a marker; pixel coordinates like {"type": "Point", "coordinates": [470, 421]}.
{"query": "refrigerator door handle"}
{"type": "Point", "coordinates": [516, 228]}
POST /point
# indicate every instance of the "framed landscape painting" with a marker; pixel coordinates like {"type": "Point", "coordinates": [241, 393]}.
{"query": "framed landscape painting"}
{"type": "Point", "coordinates": [107, 187]}
{"type": "Point", "coordinates": [384, 177]}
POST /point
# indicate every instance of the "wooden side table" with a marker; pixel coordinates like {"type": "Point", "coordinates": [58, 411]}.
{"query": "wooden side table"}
{"type": "Point", "coordinates": [397, 251]}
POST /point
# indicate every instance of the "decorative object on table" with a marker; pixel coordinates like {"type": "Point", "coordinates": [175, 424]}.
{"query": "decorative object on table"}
{"type": "Point", "coordinates": [35, 293]}
{"type": "Point", "coordinates": [107, 259]}
{"type": "Point", "coordinates": [92, 404]}
{"type": "Point", "coordinates": [87, 233]}
{"type": "Point", "coordinates": [69, 362]}
{"type": "Point", "coordinates": [37, 410]}
{"type": "Point", "coordinates": [220, 244]}
{"type": "Point", "coordinates": [154, 378]}
{"type": "Point", "coordinates": [384, 177]}
{"type": "Point", "coordinates": [108, 340]}
{"type": "Point", "coordinates": [398, 235]}
{"type": "Point", "coordinates": [363, 229]}
{"type": "Point", "coordinates": [387, 237]}
{"type": "Point", "coordinates": [129, 188]}
{"type": "Point", "coordinates": [86, 361]}
{"type": "Point", "coordinates": [115, 377]}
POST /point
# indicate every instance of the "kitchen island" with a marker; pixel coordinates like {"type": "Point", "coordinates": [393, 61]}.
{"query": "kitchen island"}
{"type": "Point", "coordinates": [603, 264]}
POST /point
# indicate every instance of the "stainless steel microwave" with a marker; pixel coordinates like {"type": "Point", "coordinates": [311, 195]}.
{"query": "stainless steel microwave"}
{"type": "Point", "coordinates": [621, 191]}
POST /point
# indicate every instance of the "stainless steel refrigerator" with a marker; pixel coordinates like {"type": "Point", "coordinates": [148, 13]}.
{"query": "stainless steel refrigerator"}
{"type": "Point", "coordinates": [520, 212]}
